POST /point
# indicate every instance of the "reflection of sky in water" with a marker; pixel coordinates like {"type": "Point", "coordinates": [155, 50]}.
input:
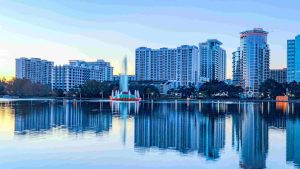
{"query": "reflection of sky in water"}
{"type": "Point", "coordinates": [170, 134]}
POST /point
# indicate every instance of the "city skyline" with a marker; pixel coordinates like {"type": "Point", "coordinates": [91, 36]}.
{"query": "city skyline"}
{"type": "Point", "coordinates": [85, 30]}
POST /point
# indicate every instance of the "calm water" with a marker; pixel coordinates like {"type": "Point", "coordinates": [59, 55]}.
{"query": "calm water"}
{"type": "Point", "coordinates": [206, 135]}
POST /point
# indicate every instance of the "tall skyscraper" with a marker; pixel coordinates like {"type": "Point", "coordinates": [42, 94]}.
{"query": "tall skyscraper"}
{"type": "Point", "coordinates": [71, 76]}
{"type": "Point", "coordinates": [36, 70]}
{"type": "Point", "coordinates": [293, 59]}
{"type": "Point", "coordinates": [180, 64]}
{"type": "Point", "coordinates": [253, 60]}
{"type": "Point", "coordinates": [212, 60]}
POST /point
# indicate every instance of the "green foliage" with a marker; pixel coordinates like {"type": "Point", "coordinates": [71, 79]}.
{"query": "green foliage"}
{"type": "Point", "coordinates": [25, 88]}
{"type": "Point", "coordinates": [96, 89]}
{"type": "Point", "coordinates": [58, 93]}
{"type": "Point", "coordinates": [146, 91]}
{"type": "Point", "coordinates": [270, 89]}
{"type": "Point", "coordinates": [220, 89]}
{"type": "Point", "coordinates": [3, 85]}
{"type": "Point", "coordinates": [293, 89]}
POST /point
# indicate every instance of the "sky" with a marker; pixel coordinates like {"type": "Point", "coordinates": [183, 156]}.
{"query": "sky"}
{"type": "Point", "coordinates": [65, 30]}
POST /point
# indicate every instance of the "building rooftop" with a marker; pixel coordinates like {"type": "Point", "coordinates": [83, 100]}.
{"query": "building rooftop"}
{"type": "Point", "coordinates": [255, 31]}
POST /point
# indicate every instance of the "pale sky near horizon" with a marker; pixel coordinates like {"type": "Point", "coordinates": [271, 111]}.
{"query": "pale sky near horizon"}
{"type": "Point", "coordinates": [97, 29]}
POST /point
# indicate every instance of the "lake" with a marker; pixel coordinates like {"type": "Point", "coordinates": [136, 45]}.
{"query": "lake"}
{"type": "Point", "coordinates": [53, 134]}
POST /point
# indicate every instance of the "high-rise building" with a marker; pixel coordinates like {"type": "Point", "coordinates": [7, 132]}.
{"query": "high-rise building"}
{"type": "Point", "coordinates": [187, 65]}
{"type": "Point", "coordinates": [279, 75]}
{"type": "Point", "coordinates": [212, 60]}
{"type": "Point", "coordinates": [36, 70]}
{"type": "Point", "coordinates": [71, 76]}
{"type": "Point", "coordinates": [254, 60]}
{"type": "Point", "coordinates": [180, 64]}
{"type": "Point", "coordinates": [236, 71]}
{"type": "Point", "coordinates": [293, 59]}
{"type": "Point", "coordinates": [143, 63]}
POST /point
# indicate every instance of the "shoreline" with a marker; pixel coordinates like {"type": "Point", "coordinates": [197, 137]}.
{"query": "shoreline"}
{"type": "Point", "coordinates": [155, 100]}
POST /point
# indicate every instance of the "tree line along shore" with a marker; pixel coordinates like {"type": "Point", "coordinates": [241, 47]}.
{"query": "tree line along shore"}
{"type": "Point", "coordinates": [269, 89]}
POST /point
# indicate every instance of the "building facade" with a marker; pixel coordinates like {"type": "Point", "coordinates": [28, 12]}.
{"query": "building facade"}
{"type": "Point", "coordinates": [212, 60]}
{"type": "Point", "coordinates": [253, 61]}
{"type": "Point", "coordinates": [293, 59]}
{"type": "Point", "coordinates": [180, 64]}
{"type": "Point", "coordinates": [236, 71]}
{"type": "Point", "coordinates": [34, 69]}
{"type": "Point", "coordinates": [279, 75]}
{"type": "Point", "coordinates": [71, 76]}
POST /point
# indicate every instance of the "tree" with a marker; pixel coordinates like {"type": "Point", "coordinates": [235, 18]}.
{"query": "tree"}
{"type": "Point", "coordinates": [216, 88]}
{"type": "Point", "coordinates": [151, 91]}
{"type": "Point", "coordinates": [294, 89]}
{"type": "Point", "coordinates": [3, 85]}
{"type": "Point", "coordinates": [271, 88]}
{"type": "Point", "coordinates": [2, 89]}
{"type": "Point", "coordinates": [145, 90]}
{"type": "Point", "coordinates": [96, 89]}
{"type": "Point", "coordinates": [25, 88]}
{"type": "Point", "coordinates": [187, 91]}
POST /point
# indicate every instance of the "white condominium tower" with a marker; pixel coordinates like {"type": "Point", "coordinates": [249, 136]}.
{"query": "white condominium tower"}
{"type": "Point", "coordinates": [179, 64]}
{"type": "Point", "coordinates": [254, 63]}
{"type": "Point", "coordinates": [212, 60]}
{"type": "Point", "coordinates": [71, 76]}
{"type": "Point", "coordinates": [34, 69]}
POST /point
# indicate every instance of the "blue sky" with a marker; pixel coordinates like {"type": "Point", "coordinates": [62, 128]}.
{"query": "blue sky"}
{"type": "Point", "coordinates": [62, 30]}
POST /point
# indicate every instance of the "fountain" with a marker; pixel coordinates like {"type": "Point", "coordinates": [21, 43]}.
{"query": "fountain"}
{"type": "Point", "coordinates": [124, 93]}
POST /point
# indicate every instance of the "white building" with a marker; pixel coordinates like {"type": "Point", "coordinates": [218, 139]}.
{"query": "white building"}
{"type": "Point", "coordinates": [75, 74]}
{"type": "Point", "coordinates": [179, 64]}
{"type": "Point", "coordinates": [212, 60]}
{"type": "Point", "coordinates": [34, 69]}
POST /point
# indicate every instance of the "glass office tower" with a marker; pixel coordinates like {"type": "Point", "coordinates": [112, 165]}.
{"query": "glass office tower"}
{"type": "Point", "coordinates": [293, 59]}
{"type": "Point", "coordinates": [255, 60]}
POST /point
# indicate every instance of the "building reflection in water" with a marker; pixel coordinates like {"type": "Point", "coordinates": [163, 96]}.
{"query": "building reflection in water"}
{"type": "Point", "coordinates": [75, 116]}
{"type": "Point", "coordinates": [254, 137]}
{"type": "Point", "coordinates": [180, 127]}
{"type": "Point", "coordinates": [185, 127]}
{"type": "Point", "coordinates": [293, 137]}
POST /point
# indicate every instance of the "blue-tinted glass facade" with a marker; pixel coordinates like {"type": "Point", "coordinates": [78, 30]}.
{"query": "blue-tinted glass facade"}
{"type": "Point", "coordinates": [255, 60]}
{"type": "Point", "coordinates": [293, 59]}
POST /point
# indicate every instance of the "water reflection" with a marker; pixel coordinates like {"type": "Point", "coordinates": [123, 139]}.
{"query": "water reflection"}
{"type": "Point", "coordinates": [182, 128]}
{"type": "Point", "coordinates": [293, 140]}
{"type": "Point", "coordinates": [76, 117]}
{"type": "Point", "coordinates": [207, 129]}
{"type": "Point", "coordinates": [254, 138]}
